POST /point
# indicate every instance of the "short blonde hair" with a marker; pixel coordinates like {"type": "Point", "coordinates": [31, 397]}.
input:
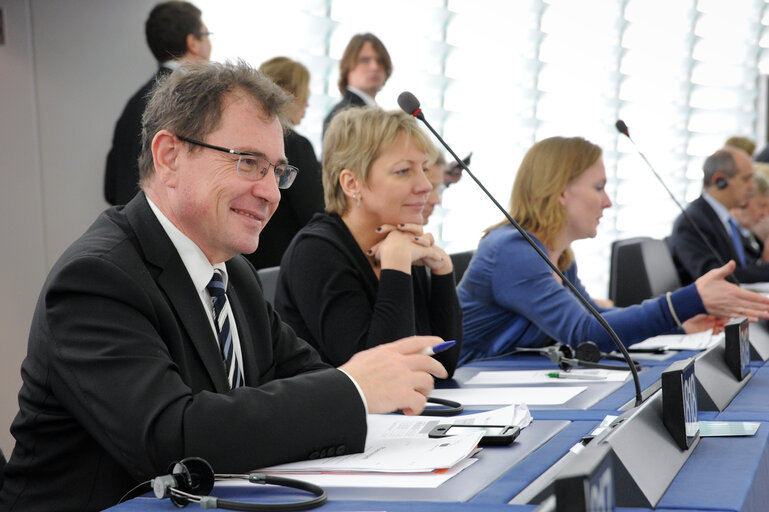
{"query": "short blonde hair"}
{"type": "Point", "coordinates": [761, 169]}
{"type": "Point", "coordinates": [354, 139]}
{"type": "Point", "coordinates": [762, 179]}
{"type": "Point", "coordinates": [290, 75]}
{"type": "Point", "coordinates": [547, 168]}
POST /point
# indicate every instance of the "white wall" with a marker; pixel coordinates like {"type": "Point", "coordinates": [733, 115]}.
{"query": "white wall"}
{"type": "Point", "coordinates": [66, 71]}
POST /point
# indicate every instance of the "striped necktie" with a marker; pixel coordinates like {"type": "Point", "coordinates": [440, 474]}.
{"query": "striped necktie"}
{"type": "Point", "coordinates": [223, 331]}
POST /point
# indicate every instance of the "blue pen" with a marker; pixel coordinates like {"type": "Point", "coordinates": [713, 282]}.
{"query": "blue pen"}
{"type": "Point", "coordinates": [440, 347]}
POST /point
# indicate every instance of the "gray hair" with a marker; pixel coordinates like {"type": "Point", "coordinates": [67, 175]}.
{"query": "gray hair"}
{"type": "Point", "coordinates": [190, 100]}
{"type": "Point", "coordinates": [720, 161]}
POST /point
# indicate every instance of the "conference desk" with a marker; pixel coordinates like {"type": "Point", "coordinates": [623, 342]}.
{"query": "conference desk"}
{"type": "Point", "coordinates": [722, 474]}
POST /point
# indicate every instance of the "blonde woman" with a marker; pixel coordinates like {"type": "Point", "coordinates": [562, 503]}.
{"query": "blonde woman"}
{"type": "Point", "coordinates": [356, 276]}
{"type": "Point", "coordinates": [511, 298]}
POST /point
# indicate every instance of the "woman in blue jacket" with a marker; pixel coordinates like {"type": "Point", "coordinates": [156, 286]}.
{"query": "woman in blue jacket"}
{"type": "Point", "coordinates": [510, 297]}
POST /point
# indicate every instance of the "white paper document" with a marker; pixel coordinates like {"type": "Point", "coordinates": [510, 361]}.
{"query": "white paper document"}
{"type": "Point", "coordinates": [395, 455]}
{"type": "Point", "coordinates": [429, 480]}
{"type": "Point", "coordinates": [550, 395]}
{"type": "Point", "coordinates": [501, 378]}
{"type": "Point", "coordinates": [695, 341]}
{"type": "Point", "coordinates": [389, 426]}
{"type": "Point", "coordinates": [762, 288]}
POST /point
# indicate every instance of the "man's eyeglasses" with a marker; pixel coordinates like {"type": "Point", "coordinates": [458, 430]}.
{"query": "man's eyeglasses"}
{"type": "Point", "coordinates": [252, 166]}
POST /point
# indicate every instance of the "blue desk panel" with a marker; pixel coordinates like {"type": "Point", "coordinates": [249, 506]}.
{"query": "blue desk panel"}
{"type": "Point", "coordinates": [724, 473]}
{"type": "Point", "coordinates": [752, 404]}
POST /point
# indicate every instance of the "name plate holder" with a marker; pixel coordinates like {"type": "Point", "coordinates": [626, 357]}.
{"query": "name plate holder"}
{"type": "Point", "coordinates": [645, 458]}
{"type": "Point", "coordinates": [587, 482]}
{"type": "Point", "coordinates": [718, 369]}
{"type": "Point", "coordinates": [679, 403]}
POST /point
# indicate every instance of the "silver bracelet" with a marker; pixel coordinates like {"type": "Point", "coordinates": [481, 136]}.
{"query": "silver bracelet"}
{"type": "Point", "coordinates": [672, 310]}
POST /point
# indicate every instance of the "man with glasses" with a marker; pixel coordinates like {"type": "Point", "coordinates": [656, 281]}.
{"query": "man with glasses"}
{"type": "Point", "coordinates": [175, 34]}
{"type": "Point", "coordinates": [152, 341]}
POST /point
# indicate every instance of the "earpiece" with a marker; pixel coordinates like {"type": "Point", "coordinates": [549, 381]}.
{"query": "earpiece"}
{"type": "Point", "coordinates": [192, 479]}
{"type": "Point", "coordinates": [721, 183]}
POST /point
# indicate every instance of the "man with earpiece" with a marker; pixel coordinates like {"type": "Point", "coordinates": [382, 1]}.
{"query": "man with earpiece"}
{"type": "Point", "coordinates": [709, 235]}
{"type": "Point", "coordinates": [152, 341]}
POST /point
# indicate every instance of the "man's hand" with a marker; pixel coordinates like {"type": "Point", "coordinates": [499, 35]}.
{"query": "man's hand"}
{"type": "Point", "coordinates": [396, 375]}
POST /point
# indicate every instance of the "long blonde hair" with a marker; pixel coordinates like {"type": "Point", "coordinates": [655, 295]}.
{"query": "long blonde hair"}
{"type": "Point", "coordinates": [547, 168]}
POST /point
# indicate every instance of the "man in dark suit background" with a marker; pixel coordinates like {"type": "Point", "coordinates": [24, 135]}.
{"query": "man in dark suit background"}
{"type": "Point", "coordinates": [124, 372]}
{"type": "Point", "coordinates": [727, 183]}
{"type": "Point", "coordinates": [175, 33]}
{"type": "Point", "coordinates": [363, 70]}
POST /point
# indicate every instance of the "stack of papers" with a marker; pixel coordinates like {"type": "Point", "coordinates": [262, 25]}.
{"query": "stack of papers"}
{"type": "Point", "coordinates": [399, 453]}
{"type": "Point", "coordinates": [394, 455]}
{"type": "Point", "coordinates": [696, 341]}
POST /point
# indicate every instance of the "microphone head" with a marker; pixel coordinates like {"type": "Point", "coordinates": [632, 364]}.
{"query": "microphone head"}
{"type": "Point", "coordinates": [622, 127]}
{"type": "Point", "coordinates": [409, 103]}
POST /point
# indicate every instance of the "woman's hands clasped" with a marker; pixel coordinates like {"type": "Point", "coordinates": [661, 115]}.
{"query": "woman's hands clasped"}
{"type": "Point", "coordinates": [405, 245]}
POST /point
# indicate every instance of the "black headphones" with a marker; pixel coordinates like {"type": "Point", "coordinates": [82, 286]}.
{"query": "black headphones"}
{"type": "Point", "coordinates": [721, 183]}
{"type": "Point", "coordinates": [587, 355]}
{"type": "Point", "coordinates": [192, 479]}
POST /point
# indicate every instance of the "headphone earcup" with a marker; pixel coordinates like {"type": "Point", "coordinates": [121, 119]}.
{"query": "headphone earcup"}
{"type": "Point", "coordinates": [588, 351]}
{"type": "Point", "coordinates": [199, 475]}
{"type": "Point", "coordinates": [721, 183]}
{"type": "Point", "coordinates": [192, 475]}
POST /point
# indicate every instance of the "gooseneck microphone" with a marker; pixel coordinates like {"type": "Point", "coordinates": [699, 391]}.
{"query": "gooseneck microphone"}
{"type": "Point", "coordinates": [410, 104]}
{"type": "Point", "coordinates": [623, 129]}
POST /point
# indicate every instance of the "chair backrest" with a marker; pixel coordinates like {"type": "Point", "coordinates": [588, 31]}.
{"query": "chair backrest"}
{"type": "Point", "coordinates": [461, 261]}
{"type": "Point", "coordinates": [641, 268]}
{"type": "Point", "coordinates": [269, 278]}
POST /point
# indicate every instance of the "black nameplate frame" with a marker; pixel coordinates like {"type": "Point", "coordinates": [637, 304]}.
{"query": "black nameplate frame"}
{"type": "Point", "coordinates": [679, 402]}
{"type": "Point", "coordinates": [587, 482]}
{"type": "Point", "coordinates": [716, 384]}
{"type": "Point", "coordinates": [737, 347]}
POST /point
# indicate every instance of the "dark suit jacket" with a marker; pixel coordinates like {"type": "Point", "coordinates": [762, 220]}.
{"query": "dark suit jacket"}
{"type": "Point", "coordinates": [121, 175]}
{"type": "Point", "coordinates": [692, 256]}
{"type": "Point", "coordinates": [297, 205]}
{"type": "Point", "coordinates": [350, 99]}
{"type": "Point", "coordinates": [123, 376]}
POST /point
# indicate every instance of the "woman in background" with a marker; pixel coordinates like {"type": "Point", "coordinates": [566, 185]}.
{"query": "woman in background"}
{"type": "Point", "coordinates": [355, 276]}
{"type": "Point", "coordinates": [305, 197]}
{"type": "Point", "coordinates": [511, 298]}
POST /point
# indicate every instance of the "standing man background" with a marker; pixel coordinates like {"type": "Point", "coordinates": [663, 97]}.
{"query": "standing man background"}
{"type": "Point", "coordinates": [175, 34]}
{"type": "Point", "coordinates": [363, 71]}
{"type": "Point", "coordinates": [151, 339]}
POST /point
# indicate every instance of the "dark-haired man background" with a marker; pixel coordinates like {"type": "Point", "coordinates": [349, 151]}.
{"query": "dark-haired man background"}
{"type": "Point", "coordinates": [175, 33]}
